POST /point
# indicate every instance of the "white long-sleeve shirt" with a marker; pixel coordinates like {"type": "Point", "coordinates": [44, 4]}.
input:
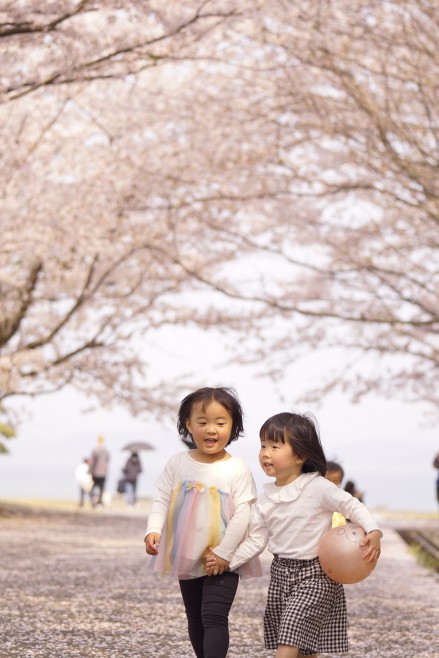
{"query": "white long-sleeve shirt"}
{"type": "Point", "coordinates": [233, 486]}
{"type": "Point", "coordinates": [290, 520]}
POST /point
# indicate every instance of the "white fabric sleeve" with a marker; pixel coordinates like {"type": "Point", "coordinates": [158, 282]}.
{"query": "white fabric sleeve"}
{"type": "Point", "coordinates": [234, 532]}
{"type": "Point", "coordinates": [244, 494]}
{"type": "Point", "coordinates": [351, 508]}
{"type": "Point", "coordinates": [255, 543]}
{"type": "Point", "coordinates": [160, 506]}
{"type": "Point", "coordinates": [244, 489]}
{"type": "Point", "coordinates": [157, 515]}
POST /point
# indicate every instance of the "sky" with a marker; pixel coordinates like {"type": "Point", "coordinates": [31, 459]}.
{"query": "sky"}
{"type": "Point", "coordinates": [386, 446]}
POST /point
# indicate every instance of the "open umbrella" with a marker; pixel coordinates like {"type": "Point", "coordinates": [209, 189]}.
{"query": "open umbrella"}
{"type": "Point", "coordinates": [137, 446]}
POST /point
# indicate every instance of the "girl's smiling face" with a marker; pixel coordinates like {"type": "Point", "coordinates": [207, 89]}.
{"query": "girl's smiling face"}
{"type": "Point", "coordinates": [278, 460]}
{"type": "Point", "coordinates": [210, 428]}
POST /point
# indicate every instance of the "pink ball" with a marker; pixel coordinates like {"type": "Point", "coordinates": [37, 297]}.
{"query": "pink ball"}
{"type": "Point", "coordinates": [341, 556]}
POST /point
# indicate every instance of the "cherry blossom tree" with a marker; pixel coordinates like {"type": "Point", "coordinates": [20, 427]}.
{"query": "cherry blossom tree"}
{"type": "Point", "coordinates": [95, 196]}
{"type": "Point", "coordinates": [264, 167]}
{"type": "Point", "coordinates": [354, 102]}
{"type": "Point", "coordinates": [341, 128]}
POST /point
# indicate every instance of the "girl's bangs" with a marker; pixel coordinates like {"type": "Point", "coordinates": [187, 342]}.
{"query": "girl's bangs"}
{"type": "Point", "coordinates": [273, 434]}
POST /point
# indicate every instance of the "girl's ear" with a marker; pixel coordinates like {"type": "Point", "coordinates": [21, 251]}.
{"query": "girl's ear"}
{"type": "Point", "coordinates": [300, 460]}
{"type": "Point", "coordinates": [188, 424]}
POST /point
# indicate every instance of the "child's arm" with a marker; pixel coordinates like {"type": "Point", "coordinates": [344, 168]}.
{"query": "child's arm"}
{"type": "Point", "coordinates": [372, 541]}
{"type": "Point", "coordinates": [342, 501]}
{"type": "Point", "coordinates": [243, 493]}
{"type": "Point", "coordinates": [159, 509]}
{"type": "Point", "coordinates": [156, 520]}
{"type": "Point", "coordinates": [234, 532]}
{"type": "Point", "coordinates": [251, 547]}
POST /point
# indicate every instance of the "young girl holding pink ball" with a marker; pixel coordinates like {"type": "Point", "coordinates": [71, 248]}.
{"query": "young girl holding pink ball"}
{"type": "Point", "coordinates": [306, 610]}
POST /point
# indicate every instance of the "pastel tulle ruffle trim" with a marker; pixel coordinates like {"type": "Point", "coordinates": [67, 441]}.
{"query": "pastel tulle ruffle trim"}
{"type": "Point", "coordinates": [197, 519]}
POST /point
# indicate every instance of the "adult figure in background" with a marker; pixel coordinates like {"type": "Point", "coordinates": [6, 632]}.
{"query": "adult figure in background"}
{"type": "Point", "coordinates": [131, 471]}
{"type": "Point", "coordinates": [99, 460]}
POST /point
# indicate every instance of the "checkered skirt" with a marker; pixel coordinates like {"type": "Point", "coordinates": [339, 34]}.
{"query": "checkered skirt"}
{"type": "Point", "coordinates": [305, 608]}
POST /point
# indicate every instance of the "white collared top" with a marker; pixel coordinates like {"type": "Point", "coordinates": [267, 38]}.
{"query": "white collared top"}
{"type": "Point", "coordinates": [291, 519]}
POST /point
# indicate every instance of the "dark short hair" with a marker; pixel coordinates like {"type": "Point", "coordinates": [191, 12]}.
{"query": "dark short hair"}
{"type": "Point", "coordinates": [350, 487]}
{"type": "Point", "coordinates": [335, 467]}
{"type": "Point", "coordinates": [225, 396]}
{"type": "Point", "coordinates": [300, 431]}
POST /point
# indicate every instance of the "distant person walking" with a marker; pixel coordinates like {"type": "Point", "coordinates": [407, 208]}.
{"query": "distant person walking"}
{"type": "Point", "coordinates": [436, 465]}
{"type": "Point", "coordinates": [335, 474]}
{"type": "Point", "coordinates": [84, 479]}
{"type": "Point", "coordinates": [99, 461]}
{"type": "Point", "coordinates": [351, 488]}
{"type": "Point", "coordinates": [131, 472]}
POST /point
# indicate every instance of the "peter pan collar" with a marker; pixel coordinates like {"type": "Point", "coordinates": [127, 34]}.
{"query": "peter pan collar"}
{"type": "Point", "coordinates": [290, 491]}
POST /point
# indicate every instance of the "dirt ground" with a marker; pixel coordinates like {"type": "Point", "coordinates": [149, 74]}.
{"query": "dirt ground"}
{"type": "Point", "coordinates": [75, 584]}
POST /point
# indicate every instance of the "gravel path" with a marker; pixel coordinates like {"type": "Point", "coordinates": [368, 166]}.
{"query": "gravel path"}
{"type": "Point", "coordinates": [75, 585]}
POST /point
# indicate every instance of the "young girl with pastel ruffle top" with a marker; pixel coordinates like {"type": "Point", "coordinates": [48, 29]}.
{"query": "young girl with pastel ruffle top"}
{"type": "Point", "coordinates": [203, 500]}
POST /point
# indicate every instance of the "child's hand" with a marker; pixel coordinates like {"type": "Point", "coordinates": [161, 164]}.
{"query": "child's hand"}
{"type": "Point", "coordinates": [372, 542]}
{"type": "Point", "coordinates": [152, 542]}
{"type": "Point", "coordinates": [215, 565]}
{"type": "Point", "coordinates": [210, 562]}
{"type": "Point", "coordinates": [220, 566]}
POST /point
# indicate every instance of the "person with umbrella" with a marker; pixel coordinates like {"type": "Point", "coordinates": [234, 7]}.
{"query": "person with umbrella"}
{"type": "Point", "coordinates": [132, 470]}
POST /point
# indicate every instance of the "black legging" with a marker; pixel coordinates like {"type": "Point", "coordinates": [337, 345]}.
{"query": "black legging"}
{"type": "Point", "coordinates": [207, 602]}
